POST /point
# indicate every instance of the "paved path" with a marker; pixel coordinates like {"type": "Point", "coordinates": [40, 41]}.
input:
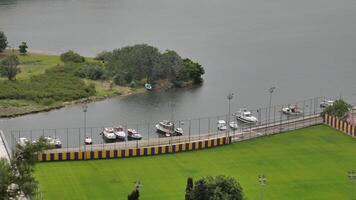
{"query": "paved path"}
{"type": "Point", "coordinates": [3, 150]}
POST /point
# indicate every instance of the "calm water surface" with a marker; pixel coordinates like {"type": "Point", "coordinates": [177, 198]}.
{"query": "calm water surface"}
{"type": "Point", "coordinates": [305, 48]}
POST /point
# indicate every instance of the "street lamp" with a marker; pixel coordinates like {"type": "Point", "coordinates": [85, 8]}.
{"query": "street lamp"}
{"type": "Point", "coordinates": [270, 90]}
{"type": "Point", "coordinates": [229, 97]}
{"type": "Point", "coordinates": [85, 109]}
{"type": "Point", "coordinates": [263, 182]}
{"type": "Point", "coordinates": [352, 177]}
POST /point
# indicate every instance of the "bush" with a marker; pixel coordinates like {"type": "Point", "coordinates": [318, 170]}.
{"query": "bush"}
{"type": "Point", "coordinates": [93, 72]}
{"type": "Point", "coordinates": [338, 109]}
{"type": "Point", "coordinates": [3, 41]}
{"type": "Point", "coordinates": [71, 56]}
{"type": "Point", "coordinates": [8, 67]}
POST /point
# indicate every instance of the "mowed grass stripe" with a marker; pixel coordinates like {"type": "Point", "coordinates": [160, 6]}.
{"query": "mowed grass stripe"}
{"type": "Point", "coordinates": [309, 163]}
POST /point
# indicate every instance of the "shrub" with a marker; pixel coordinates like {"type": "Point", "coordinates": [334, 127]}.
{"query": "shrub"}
{"type": "Point", "coordinates": [93, 72]}
{"type": "Point", "coordinates": [3, 41]}
{"type": "Point", "coordinates": [71, 56]}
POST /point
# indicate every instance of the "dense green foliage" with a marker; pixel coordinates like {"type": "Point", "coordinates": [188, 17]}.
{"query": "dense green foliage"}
{"type": "Point", "coordinates": [71, 56]}
{"type": "Point", "coordinates": [146, 63]}
{"type": "Point", "coordinates": [5, 175]}
{"type": "Point", "coordinates": [309, 163]}
{"type": "Point", "coordinates": [3, 41]}
{"type": "Point", "coordinates": [216, 188]}
{"type": "Point", "coordinates": [189, 189]}
{"type": "Point", "coordinates": [23, 47]}
{"type": "Point", "coordinates": [93, 72]}
{"type": "Point", "coordinates": [338, 109]}
{"type": "Point", "coordinates": [8, 67]}
{"type": "Point", "coordinates": [57, 84]}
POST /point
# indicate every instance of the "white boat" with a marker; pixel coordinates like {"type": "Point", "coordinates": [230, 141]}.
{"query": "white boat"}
{"type": "Point", "coordinates": [325, 103]}
{"type": "Point", "coordinates": [22, 141]}
{"type": "Point", "coordinates": [53, 142]}
{"type": "Point", "coordinates": [246, 116]}
{"type": "Point", "coordinates": [109, 135]}
{"type": "Point", "coordinates": [291, 110]}
{"type": "Point", "coordinates": [88, 140]}
{"type": "Point", "coordinates": [132, 134]}
{"type": "Point", "coordinates": [222, 125]}
{"type": "Point", "coordinates": [233, 125]}
{"type": "Point", "coordinates": [148, 86]}
{"type": "Point", "coordinates": [165, 127]}
{"type": "Point", "coordinates": [120, 133]}
{"type": "Point", "coordinates": [178, 131]}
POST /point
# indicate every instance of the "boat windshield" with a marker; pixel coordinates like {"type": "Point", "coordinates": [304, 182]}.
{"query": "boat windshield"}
{"type": "Point", "coordinates": [119, 129]}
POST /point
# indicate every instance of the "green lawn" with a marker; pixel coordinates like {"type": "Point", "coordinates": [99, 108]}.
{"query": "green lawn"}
{"type": "Point", "coordinates": [310, 163]}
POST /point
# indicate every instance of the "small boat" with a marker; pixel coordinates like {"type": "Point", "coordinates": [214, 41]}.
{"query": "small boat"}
{"type": "Point", "coordinates": [233, 125]}
{"type": "Point", "coordinates": [222, 125]}
{"type": "Point", "coordinates": [325, 103]}
{"type": "Point", "coordinates": [165, 127]}
{"type": "Point", "coordinates": [53, 142]}
{"type": "Point", "coordinates": [178, 131]}
{"type": "Point", "coordinates": [88, 141]}
{"type": "Point", "coordinates": [132, 134]}
{"type": "Point", "coordinates": [148, 86]}
{"type": "Point", "coordinates": [109, 135]}
{"type": "Point", "coordinates": [22, 141]}
{"type": "Point", "coordinates": [291, 110]}
{"type": "Point", "coordinates": [246, 116]}
{"type": "Point", "coordinates": [120, 133]}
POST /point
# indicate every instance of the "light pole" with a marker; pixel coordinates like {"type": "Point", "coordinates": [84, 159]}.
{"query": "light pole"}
{"type": "Point", "coordinates": [263, 182]}
{"type": "Point", "coordinates": [270, 90]}
{"type": "Point", "coordinates": [85, 109]}
{"type": "Point", "coordinates": [229, 97]}
{"type": "Point", "coordinates": [352, 177]}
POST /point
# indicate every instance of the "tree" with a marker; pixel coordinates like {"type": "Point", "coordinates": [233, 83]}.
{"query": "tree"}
{"type": "Point", "coordinates": [71, 56]}
{"type": "Point", "coordinates": [189, 188]}
{"type": "Point", "coordinates": [8, 67]}
{"type": "Point", "coordinates": [191, 71]}
{"type": "Point", "coordinates": [338, 109]}
{"type": "Point", "coordinates": [5, 174]}
{"type": "Point", "coordinates": [23, 48]}
{"type": "Point", "coordinates": [3, 41]}
{"type": "Point", "coordinates": [216, 188]}
{"type": "Point", "coordinates": [135, 194]}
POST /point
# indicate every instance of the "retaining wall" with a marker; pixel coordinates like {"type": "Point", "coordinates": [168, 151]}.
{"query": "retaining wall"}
{"type": "Point", "coordinates": [133, 152]}
{"type": "Point", "coordinates": [340, 125]}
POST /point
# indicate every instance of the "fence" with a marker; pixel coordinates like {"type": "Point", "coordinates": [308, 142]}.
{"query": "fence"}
{"type": "Point", "coordinates": [340, 125]}
{"type": "Point", "coordinates": [270, 121]}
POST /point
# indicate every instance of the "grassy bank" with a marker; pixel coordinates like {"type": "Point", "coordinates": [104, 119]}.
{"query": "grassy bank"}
{"type": "Point", "coordinates": [39, 86]}
{"type": "Point", "coordinates": [309, 163]}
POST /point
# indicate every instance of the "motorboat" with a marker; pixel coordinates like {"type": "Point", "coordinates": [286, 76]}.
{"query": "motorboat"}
{"type": "Point", "coordinates": [148, 86]}
{"type": "Point", "coordinates": [120, 133]}
{"type": "Point", "coordinates": [88, 141]}
{"type": "Point", "coordinates": [291, 110]}
{"type": "Point", "coordinates": [325, 103]}
{"type": "Point", "coordinates": [246, 116]}
{"type": "Point", "coordinates": [132, 134]}
{"type": "Point", "coordinates": [109, 135]}
{"type": "Point", "coordinates": [233, 125]}
{"type": "Point", "coordinates": [53, 142]}
{"type": "Point", "coordinates": [165, 127]}
{"type": "Point", "coordinates": [22, 141]}
{"type": "Point", "coordinates": [222, 125]}
{"type": "Point", "coordinates": [178, 131]}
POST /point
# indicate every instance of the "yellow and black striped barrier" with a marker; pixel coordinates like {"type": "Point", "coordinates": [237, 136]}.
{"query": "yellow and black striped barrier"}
{"type": "Point", "coordinates": [134, 152]}
{"type": "Point", "coordinates": [340, 125]}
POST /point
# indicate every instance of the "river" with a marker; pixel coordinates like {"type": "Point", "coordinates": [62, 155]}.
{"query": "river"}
{"type": "Point", "coordinates": [305, 48]}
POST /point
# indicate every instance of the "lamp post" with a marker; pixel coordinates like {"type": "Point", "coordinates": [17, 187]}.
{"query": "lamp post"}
{"type": "Point", "coordinates": [85, 109]}
{"type": "Point", "coordinates": [263, 182]}
{"type": "Point", "coordinates": [229, 97]}
{"type": "Point", "coordinates": [270, 90]}
{"type": "Point", "coordinates": [352, 177]}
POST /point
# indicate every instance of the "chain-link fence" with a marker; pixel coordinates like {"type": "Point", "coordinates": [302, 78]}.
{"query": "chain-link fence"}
{"type": "Point", "coordinates": [270, 120]}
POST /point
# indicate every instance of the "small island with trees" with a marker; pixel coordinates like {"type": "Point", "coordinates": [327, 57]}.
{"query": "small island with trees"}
{"type": "Point", "coordinates": [33, 82]}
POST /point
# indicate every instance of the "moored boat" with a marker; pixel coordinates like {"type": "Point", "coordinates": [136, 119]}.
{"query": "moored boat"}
{"type": "Point", "coordinates": [326, 102]}
{"type": "Point", "coordinates": [109, 135]}
{"type": "Point", "coordinates": [88, 141]}
{"type": "Point", "coordinates": [132, 134]}
{"type": "Point", "coordinates": [233, 125]}
{"type": "Point", "coordinates": [246, 116]}
{"type": "Point", "coordinates": [291, 110]}
{"type": "Point", "coordinates": [148, 86]}
{"type": "Point", "coordinates": [222, 125]}
{"type": "Point", "coordinates": [119, 133]}
{"type": "Point", "coordinates": [165, 127]}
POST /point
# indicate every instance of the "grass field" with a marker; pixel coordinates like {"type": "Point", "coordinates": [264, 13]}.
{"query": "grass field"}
{"type": "Point", "coordinates": [310, 163]}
